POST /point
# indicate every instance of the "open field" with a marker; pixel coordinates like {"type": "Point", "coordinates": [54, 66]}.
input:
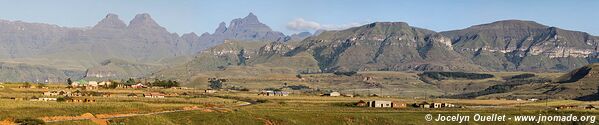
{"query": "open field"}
{"type": "Point", "coordinates": [194, 106]}
{"type": "Point", "coordinates": [333, 110]}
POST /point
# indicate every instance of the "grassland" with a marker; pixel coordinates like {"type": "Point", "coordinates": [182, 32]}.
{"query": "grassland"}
{"type": "Point", "coordinates": [318, 110]}
{"type": "Point", "coordinates": [298, 108]}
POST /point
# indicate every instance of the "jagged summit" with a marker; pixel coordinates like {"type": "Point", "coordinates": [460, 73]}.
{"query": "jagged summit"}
{"type": "Point", "coordinates": [143, 20]}
{"type": "Point", "coordinates": [221, 28]}
{"type": "Point", "coordinates": [251, 18]}
{"type": "Point", "coordinates": [248, 28]}
{"type": "Point", "coordinates": [111, 21]}
{"type": "Point", "coordinates": [250, 22]}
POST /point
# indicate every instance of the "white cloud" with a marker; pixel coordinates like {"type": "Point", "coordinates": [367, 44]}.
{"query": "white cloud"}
{"type": "Point", "coordinates": [300, 24]}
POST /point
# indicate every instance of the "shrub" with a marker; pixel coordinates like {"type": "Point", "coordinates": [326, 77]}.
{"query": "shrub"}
{"type": "Point", "coordinates": [298, 87]}
{"type": "Point", "coordinates": [30, 121]}
{"type": "Point", "coordinates": [464, 75]}
{"type": "Point", "coordinates": [523, 76]}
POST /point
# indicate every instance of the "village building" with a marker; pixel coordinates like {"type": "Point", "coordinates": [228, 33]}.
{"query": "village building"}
{"type": "Point", "coordinates": [81, 100]}
{"type": "Point", "coordinates": [17, 99]}
{"type": "Point", "coordinates": [209, 91]}
{"type": "Point", "coordinates": [361, 103]}
{"type": "Point", "coordinates": [92, 83]}
{"type": "Point", "coordinates": [448, 105]}
{"type": "Point", "coordinates": [436, 105]}
{"type": "Point", "coordinates": [397, 104]}
{"type": "Point", "coordinates": [379, 104]}
{"type": "Point", "coordinates": [138, 85]}
{"type": "Point", "coordinates": [47, 99]}
{"type": "Point", "coordinates": [561, 107]}
{"type": "Point", "coordinates": [105, 83]}
{"type": "Point", "coordinates": [590, 107]}
{"type": "Point", "coordinates": [273, 93]}
{"type": "Point", "coordinates": [333, 94]}
{"type": "Point", "coordinates": [57, 93]}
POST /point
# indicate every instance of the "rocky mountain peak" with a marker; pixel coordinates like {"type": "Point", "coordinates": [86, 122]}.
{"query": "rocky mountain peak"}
{"type": "Point", "coordinates": [221, 28]}
{"type": "Point", "coordinates": [111, 21]}
{"type": "Point", "coordinates": [143, 20]}
{"type": "Point", "coordinates": [191, 35]}
{"type": "Point", "coordinates": [249, 22]}
{"type": "Point", "coordinates": [251, 18]}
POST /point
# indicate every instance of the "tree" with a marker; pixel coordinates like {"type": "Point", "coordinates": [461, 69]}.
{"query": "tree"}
{"type": "Point", "coordinates": [131, 81]}
{"type": "Point", "coordinates": [69, 81]}
{"type": "Point", "coordinates": [215, 83]}
{"type": "Point", "coordinates": [241, 57]}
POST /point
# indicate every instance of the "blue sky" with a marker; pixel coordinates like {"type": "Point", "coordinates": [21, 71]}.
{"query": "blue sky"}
{"type": "Point", "coordinates": [289, 16]}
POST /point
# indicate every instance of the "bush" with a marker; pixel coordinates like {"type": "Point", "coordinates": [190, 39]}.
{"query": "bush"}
{"type": "Point", "coordinates": [298, 87]}
{"type": "Point", "coordinates": [447, 75]}
{"type": "Point", "coordinates": [30, 121]}
{"type": "Point", "coordinates": [165, 83]}
{"type": "Point", "coordinates": [523, 76]}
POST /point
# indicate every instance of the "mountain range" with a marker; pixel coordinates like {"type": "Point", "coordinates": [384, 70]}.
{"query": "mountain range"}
{"type": "Point", "coordinates": [43, 52]}
{"type": "Point", "coordinates": [113, 47]}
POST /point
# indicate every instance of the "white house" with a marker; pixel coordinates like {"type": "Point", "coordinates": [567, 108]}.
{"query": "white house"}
{"type": "Point", "coordinates": [92, 83]}
{"type": "Point", "coordinates": [333, 94]}
{"type": "Point", "coordinates": [379, 104]}
{"type": "Point", "coordinates": [105, 83]}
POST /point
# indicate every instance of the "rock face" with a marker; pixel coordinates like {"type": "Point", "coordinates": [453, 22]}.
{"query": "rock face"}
{"type": "Point", "coordinates": [524, 45]}
{"type": "Point", "coordinates": [142, 41]}
{"type": "Point", "coordinates": [384, 46]}
{"type": "Point", "coordinates": [248, 28]}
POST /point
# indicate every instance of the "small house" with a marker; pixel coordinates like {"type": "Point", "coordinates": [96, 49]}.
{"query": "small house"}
{"type": "Point", "coordinates": [138, 85]}
{"type": "Point", "coordinates": [81, 100]}
{"type": "Point", "coordinates": [47, 99]}
{"type": "Point", "coordinates": [333, 94]}
{"type": "Point", "coordinates": [437, 105]}
{"type": "Point", "coordinates": [361, 103]}
{"type": "Point", "coordinates": [209, 91]}
{"type": "Point", "coordinates": [105, 83]}
{"type": "Point", "coordinates": [379, 104]}
{"type": "Point", "coordinates": [590, 107]}
{"type": "Point", "coordinates": [92, 83]}
{"type": "Point", "coordinates": [397, 104]}
{"type": "Point", "coordinates": [423, 105]}
{"type": "Point", "coordinates": [448, 105]}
